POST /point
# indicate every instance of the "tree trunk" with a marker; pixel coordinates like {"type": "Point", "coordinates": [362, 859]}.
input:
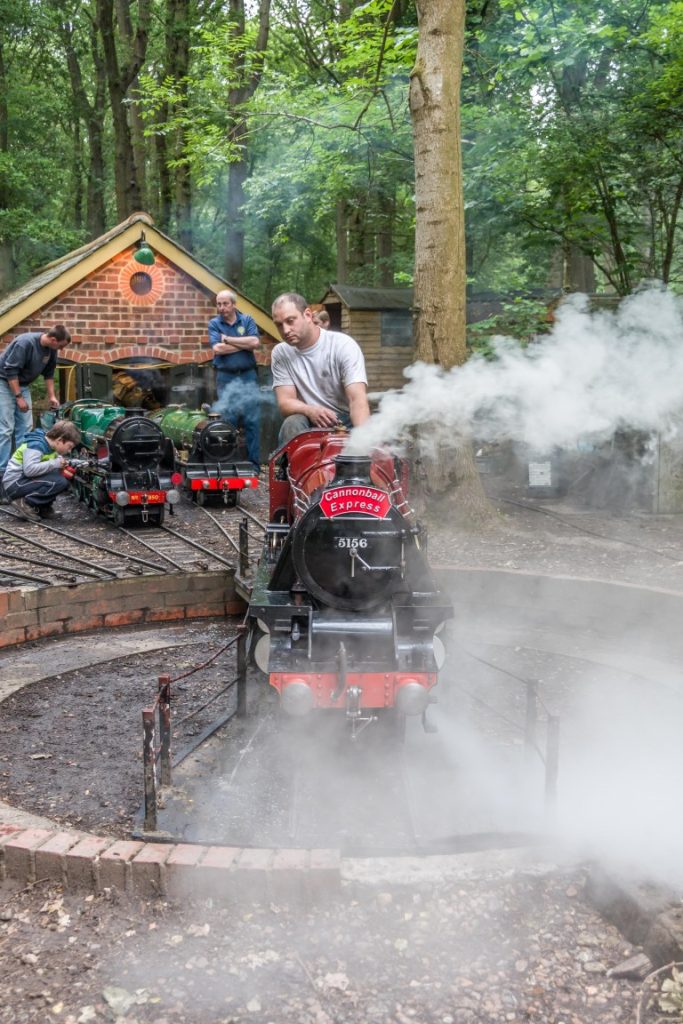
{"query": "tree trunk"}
{"type": "Point", "coordinates": [385, 240]}
{"type": "Point", "coordinates": [234, 237]}
{"type": "Point", "coordinates": [342, 243]}
{"type": "Point", "coordinates": [440, 262]}
{"type": "Point", "coordinates": [178, 25]}
{"type": "Point", "coordinates": [247, 83]}
{"type": "Point", "coordinates": [137, 134]}
{"type": "Point", "coordinates": [121, 72]}
{"type": "Point", "coordinates": [6, 260]}
{"type": "Point", "coordinates": [92, 114]}
{"type": "Point", "coordinates": [440, 259]}
{"type": "Point", "coordinates": [579, 270]}
{"type": "Point", "coordinates": [164, 210]}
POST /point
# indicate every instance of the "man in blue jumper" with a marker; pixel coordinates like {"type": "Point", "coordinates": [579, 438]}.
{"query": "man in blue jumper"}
{"type": "Point", "coordinates": [233, 336]}
{"type": "Point", "coordinates": [25, 359]}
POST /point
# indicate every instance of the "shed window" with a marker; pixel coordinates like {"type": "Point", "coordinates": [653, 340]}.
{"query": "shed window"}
{"type": "Point", "coordinates": [140, 283]}
{"type": "Point", "coordinates": [397, 329]}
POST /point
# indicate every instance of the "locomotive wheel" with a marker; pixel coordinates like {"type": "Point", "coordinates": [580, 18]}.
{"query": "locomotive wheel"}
{"type": "Point", "coordinates": [118, 516]}
{"type": "Point", "coordinates": [200, 498]}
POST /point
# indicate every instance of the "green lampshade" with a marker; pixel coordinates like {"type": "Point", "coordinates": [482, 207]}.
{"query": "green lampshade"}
{"type": "Point", "coordinates": [144, 254]}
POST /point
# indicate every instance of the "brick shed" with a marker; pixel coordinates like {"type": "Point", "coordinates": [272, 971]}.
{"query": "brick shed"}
{"type": "Point", "coordinates": [118, 309]}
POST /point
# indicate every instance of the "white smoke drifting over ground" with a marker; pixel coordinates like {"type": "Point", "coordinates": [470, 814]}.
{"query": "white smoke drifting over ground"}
{"type": "Point", "coordinates": [595, 373]}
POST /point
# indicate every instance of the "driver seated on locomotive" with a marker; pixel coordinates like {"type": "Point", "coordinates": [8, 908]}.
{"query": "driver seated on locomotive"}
{"type": "Point", "coordinates": [319, 376]}
{"type": "Point", "coordinates": [38, 470]}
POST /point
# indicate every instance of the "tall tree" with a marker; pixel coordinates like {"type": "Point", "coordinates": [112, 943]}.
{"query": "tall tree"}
{"type": "Point", "coordinates": [124, 28]}
{"type": "Point", "coordinates": [91, 110]}
{"type": "Point", "coordinates": [6, 263]}
{"type": "Point", "coordinates": [440, 262]}
{"type": "Point", "coordinates": [246, 75]}
{"type": "Point", "coordinates": [440, 259]}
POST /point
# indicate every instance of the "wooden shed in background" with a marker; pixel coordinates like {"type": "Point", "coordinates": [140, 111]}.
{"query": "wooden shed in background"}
{"type": "Point", "coordinates": [380, 319]}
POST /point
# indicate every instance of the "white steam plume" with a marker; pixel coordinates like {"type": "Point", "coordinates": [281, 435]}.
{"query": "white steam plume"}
{"type": "Point", "coordinates": [596, 372]}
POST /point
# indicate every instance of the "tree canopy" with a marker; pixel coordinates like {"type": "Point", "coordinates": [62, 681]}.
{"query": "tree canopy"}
{"type": "Point", "coordinates": [274, 138]}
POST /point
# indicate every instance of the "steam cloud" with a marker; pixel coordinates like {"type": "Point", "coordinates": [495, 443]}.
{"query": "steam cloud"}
{"type": "Point", "coordinates": [595, 373]}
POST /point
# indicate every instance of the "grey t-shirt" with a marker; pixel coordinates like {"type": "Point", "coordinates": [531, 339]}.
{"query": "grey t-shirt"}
{"type": "Point", "coordinates": [320, 373]}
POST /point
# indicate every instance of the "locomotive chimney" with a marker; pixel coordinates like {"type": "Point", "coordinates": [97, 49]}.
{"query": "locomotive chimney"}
{"type": "Point", "coordinates": [352, 469]}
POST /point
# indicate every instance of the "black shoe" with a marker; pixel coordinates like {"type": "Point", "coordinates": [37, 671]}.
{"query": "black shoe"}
{"type": "Point", "coordinates": [26, 511]}
{"type": "Point", "coordinates": [49, 512]}
{"type": "Point", "coordinates": [4, 500]}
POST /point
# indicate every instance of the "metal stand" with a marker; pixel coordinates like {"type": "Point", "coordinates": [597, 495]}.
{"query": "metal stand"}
{"type": "Point", "coordinates": [151, 752]}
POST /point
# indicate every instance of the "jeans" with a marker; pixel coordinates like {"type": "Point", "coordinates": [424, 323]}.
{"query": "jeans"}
{"type": "Point", "coordinates": [297, 423]}
{"type": "Point", "coordinates": [12, 422]}
{"type": "Point", "coordinates": [239, 402]}
{"type": "Point", "coordinates": [39, 491]}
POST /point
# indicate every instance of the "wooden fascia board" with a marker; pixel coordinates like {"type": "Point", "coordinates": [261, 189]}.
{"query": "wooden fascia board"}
{"type": "Point", "coordinates": [68, 278]}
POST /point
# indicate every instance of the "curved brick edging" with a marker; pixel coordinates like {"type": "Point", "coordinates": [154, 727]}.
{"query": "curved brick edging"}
{"type": "Point", "coordinates": [93, 863]}
{"type": "Point", "coordinates": [33, 614]}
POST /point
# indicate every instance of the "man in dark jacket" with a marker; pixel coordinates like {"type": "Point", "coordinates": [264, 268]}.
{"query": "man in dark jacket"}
{"type": "Point", "coordinates": [26, 358]}
{"type": "Point", "coordinates": [234, 336]}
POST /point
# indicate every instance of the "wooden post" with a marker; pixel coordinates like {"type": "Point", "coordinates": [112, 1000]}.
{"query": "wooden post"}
{"type": "Point", "coordinates": [242, 673]}
{"type": "Point", "coordinates": [244, 547]}
{"type": "Point", "coordinates": [165, 730]}
{"type": "Point", "coordinates": [149, 762]}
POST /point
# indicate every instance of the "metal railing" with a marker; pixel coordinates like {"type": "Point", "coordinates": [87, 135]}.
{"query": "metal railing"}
{"type": "Point", "coordinates": [156, 726]}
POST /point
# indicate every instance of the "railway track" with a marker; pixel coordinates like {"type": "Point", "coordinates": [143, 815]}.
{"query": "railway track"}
{"type": "Point", "coordinates": [42, 554]}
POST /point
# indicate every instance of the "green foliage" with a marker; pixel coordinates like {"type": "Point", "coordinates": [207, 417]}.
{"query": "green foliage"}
{"type": "Point", "coordinates": [574, 105]}
{"type": "Point", "coordinates": [572, 138]}
{"type": "Point", "coordinates": [523, 319]}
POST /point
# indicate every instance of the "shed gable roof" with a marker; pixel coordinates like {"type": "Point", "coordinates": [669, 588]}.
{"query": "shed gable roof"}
{"type": "Point", "coordinates": [60, 275]}
{"type": "Point", "coordinates": [370, 298]}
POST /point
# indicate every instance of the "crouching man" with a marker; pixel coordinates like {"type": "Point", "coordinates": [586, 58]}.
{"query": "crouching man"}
{"type": "Point", "coordinates": [35, 474]}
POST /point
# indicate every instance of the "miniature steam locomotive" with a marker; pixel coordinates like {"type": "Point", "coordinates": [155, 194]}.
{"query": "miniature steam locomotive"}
{"type": "Point", "coordinates": [127, 466]}
{"type": "Point", "coordinates": [211, 454]}
{"type": "Point", "coordinates": [344, 610]}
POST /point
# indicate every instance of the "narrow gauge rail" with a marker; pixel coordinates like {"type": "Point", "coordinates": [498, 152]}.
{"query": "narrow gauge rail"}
{"type": "Point", "coordinates": [22, 541]}
{"type": "Point", "coordinates": [183, 552]}
{"type": "Point", "coordinates": [30, 553]}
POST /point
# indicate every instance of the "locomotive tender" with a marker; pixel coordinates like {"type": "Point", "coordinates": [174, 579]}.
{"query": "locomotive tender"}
{"type": "Point", "coordinates": [344, 609]}
{"type": "Point", "coordinates": [127, 472]}
{"type": "Point", "coordinates": [212, 454]}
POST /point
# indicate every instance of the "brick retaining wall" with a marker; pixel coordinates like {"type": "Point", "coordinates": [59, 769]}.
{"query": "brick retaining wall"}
{"type": "Point", "coordinates": [228, 874]}
{"type": "Point", "coordinates": [31, 614]}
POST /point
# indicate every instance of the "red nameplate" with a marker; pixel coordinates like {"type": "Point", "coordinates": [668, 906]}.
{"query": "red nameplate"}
{"type": "Point", "coordinates": [359, 500]}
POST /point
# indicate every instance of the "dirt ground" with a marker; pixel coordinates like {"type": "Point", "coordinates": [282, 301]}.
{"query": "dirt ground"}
{"type": "Point", "coordinates": [525, 947]}
{"type": "Point", "coordinates": [505, 947]}
{"type": "Point", "coordinates": [86, 774]}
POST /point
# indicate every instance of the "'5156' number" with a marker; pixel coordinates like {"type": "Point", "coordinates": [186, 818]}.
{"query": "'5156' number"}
{"type": "Point", "coordinates": [351, 542]}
